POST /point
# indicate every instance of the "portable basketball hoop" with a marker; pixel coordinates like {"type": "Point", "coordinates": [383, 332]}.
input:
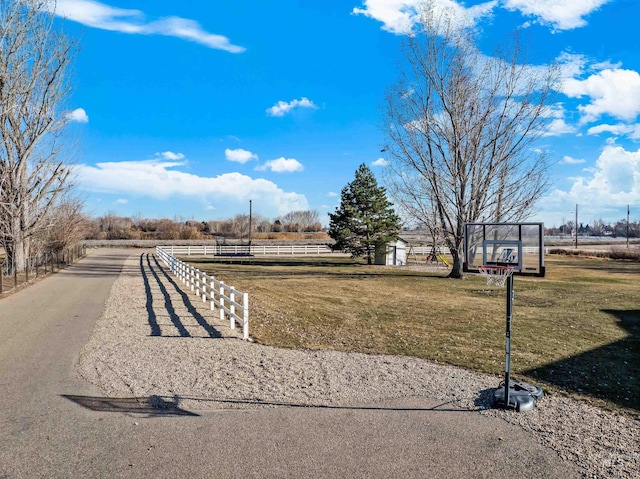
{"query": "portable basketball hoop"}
{"type": "Point", "coordinates": [500, 247]}
{"type": "Point", "coordinates": [496, 275]}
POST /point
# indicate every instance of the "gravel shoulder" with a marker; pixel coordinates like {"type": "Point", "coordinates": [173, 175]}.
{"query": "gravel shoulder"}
{"type": "Point", "coordinates": [156, 339]}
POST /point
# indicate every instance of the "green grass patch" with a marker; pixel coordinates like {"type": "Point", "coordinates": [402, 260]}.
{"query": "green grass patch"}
{"type": "Point", "coordinates": [577, 331]}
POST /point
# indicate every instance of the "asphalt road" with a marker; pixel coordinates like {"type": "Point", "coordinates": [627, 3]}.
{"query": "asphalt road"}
{"type": "Point", "coordinates": [55, 425]}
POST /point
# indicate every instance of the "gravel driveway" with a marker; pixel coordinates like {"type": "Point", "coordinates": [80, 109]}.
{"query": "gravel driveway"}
{"type": "Point", "coordinates": [156, 339]}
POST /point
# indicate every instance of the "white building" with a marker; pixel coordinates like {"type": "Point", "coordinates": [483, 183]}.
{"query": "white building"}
{"type": "Point", "coordinates": [393, 253]}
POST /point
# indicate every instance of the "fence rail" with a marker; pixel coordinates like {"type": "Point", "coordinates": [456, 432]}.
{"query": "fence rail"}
{"type": "Point", "coordinates": [444, 250]}
{"type": "Point", "coordinates": [237, 250]}
{"type": "Point", "coordinates": [230, 302]}
{"type": "Point", "coordinates": [37, 266]}
{"type": "Point", "coordinates": [290, 250]}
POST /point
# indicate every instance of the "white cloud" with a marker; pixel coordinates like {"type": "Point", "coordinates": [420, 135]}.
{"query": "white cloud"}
{"type": "Point", "coordinates": [568, 160]}
{"type": "Point", "coordinates": [400, 16]}
{"type": "Point", "coordinates": [282, 107]}
{"type": "Point", "coordinates": [612, 183]}
{"type": "Point", "coordinates": [633, 131]}
{"type": "Point", "coordinates": [78, 115]}
{"type": "Point", "coordinates": [615, 177]}
{"type": "Point", "coordinates": [170, 155]}
{"type": "Point", "coordinates": [380, 162]}
{"type": "Point", "coordinates": [99, 15]}
{"type": "Point", "coordinates": [559, 126]}
{"type": "Point", "coordinates": [160, 180]}
{"type": "Point", "coordinates": [614, 92]}
{"type": "Point", "coordinates": [561, 14]}
{"type": "Point", "coordinates": [571, 64]}
{"type": "Point", "coordinates": [239, 155]}
{"type": "Point", "coordinates": [121, 201]}
{"type": "Point", "coordinates": [332, 194]}
{"type": "Point", "coordinates": [282, 165]}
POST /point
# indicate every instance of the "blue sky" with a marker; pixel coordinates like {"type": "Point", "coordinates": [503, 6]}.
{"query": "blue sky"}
{"type": "Point", "coordinates": [193, 108]}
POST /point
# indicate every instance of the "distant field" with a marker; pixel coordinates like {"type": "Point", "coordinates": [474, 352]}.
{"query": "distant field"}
{"type": "Point", "coordinates": [576, 331]}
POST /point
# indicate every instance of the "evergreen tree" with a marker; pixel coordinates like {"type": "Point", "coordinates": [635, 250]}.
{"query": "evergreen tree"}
{"type": "Point", "coordinates": [365, 217]}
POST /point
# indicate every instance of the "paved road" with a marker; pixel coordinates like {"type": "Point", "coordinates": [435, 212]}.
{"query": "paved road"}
{"type": "Point", "coordinates": [54, 425]}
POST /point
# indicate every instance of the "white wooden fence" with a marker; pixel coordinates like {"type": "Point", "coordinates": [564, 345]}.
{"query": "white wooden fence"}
{"type": "Point", "coordinates": [238, 250]}
{"type": "Point", "coordinates": [230, 302]}
{"type": "Point", "coordinates": [445, 250]}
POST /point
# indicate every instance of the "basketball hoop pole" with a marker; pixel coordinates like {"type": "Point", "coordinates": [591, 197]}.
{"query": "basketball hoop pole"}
{"type": "Point", "coordinates": [507, 368]}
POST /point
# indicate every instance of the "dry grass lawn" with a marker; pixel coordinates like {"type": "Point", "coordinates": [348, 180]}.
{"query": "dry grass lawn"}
{"type": "Point", "coordinates": [576, 331]}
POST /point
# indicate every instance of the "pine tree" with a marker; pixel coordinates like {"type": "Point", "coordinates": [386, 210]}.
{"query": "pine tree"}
{"type": "Point", "coordinates": [365, 217]}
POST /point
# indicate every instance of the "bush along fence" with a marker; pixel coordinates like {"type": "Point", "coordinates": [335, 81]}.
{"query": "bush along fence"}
{"type": "Point", "coordinates": [230, 302]}
{"type": "Point", "coordinates": [37, 266]}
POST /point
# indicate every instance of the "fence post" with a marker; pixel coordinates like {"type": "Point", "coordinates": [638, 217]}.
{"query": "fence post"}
{"type": "Point", "coordinates": [212, 292]}
{"type": "Point", "coordinates": [221, 298]}
{"type": "Point", "coordinates": [245, 315]}
{"type": "Point", "coordinates": [232, 308]}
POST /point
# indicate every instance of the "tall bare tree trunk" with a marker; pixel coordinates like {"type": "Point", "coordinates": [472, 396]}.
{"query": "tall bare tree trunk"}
{"type": "Point", "coordinates": [34, 56]}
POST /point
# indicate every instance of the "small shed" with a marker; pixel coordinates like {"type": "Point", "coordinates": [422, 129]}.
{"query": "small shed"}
{"type": "Point", "coordinates": [393, 253]}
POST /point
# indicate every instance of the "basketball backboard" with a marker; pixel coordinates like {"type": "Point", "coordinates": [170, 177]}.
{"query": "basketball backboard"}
{"type": "Point", "coordinates": [518, 245]}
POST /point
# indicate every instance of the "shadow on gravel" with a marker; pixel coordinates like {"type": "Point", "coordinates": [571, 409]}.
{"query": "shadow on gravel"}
{"type": "Point", "coordinates": [153, 320]}
{"type": "Point", "coordinates": [154, 268]}
{"type": "Point", "coordinates": [152, 406]}
{"type": "Point", "coordinates": [168, 304]}
{"type": "Point", "coordinates": [483, 401]}
{"type": "Point", "coordinates": [211, 331]}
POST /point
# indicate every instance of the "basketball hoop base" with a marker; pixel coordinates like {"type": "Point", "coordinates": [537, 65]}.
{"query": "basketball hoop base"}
{"type": "Point", "coordinates": [522, 396]}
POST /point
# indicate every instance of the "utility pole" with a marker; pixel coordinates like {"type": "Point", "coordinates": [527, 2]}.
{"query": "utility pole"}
{"type": "Point", "coordinates": [576, 225]}
{"type": "Point", "coordinates": [250, 215]}
{"type": "Point", "coordinates": [627, 226]}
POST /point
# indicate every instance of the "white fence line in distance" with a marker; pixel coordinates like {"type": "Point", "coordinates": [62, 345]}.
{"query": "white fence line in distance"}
{"type": "Point", "coordinates": [229, 301]}
{"type": "Point", "coordinates": [265, 250]}
{"type": "Point", "coordinates": [291, 250]}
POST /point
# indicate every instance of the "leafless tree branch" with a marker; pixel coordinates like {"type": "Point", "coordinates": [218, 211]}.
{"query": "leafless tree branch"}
{"type": "Point", "coordinates": [460, 129]}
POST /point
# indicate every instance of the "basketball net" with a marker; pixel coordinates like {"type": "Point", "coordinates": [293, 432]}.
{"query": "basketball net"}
{"type": "Point", "coordinates": [496, 275]}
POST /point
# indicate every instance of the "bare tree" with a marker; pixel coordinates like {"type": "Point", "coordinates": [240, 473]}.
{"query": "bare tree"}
{"type": "Point", "coordinates": [34, 57]}
{"type": "Point", "coordinates": [299, 221]}
{"type": "Point", "coordinates": [598, 227]}
{"type": "Point", "coordinates": [240, 226]}
{"type": "Point", "coordinates": [69, 226]}
{"type": "Point", "coordinates": [460, 127]}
